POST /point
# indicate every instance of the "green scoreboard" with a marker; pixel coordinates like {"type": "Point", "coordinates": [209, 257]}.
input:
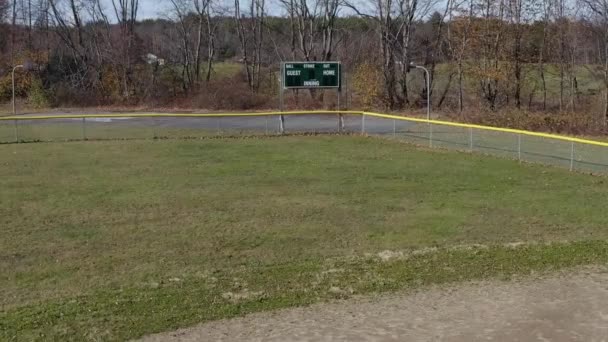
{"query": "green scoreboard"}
{"type": "Point", "coordinates": [306, 75]}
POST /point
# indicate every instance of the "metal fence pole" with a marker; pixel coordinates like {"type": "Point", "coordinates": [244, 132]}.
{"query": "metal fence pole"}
{"type": "Point", "coordinates": [266, 117]}
{"type": "Point", "coordinates": [340, 118]}
{"type": "Point", "coordinates": [346, 91]}
{"type": "Point", "coordinates": [394, 127]}
{"type": "Point", "coordinates": [519, 147]}
{"type": "Point", "coordinates": [362, 123]}
{"type": "Point", "coordinates": [16, 131]}
{"type": "Point", "coordinates": [282, 123]}
{"type": "Point", "coordinates": [430, 134]}
{"type": "Point", "coordinates": [471, 139]}
{"type": "Point", "coordinates": [281, 89]}
{"type": "Point", "coordinates": [572, 157]}
{"type": "Point", "coordinates": [84, 129]}
{"type": "Point", "coordinates": [219, 128]}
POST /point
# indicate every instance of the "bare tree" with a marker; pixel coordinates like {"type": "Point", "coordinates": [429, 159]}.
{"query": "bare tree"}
{"type": "Point", "coordinates": [126, 16]}
{"type": "Point", "coordinates": [546, 17]}
{"type": "Point", "coordinates": [290, 6]}
{"type": "Point", "coordinates": [409, 12]}
{"type": "Point", "coordinates": [67, 23]}
{"type": "Point", "coordinates": [251, 29]}
{"type": "Point", "coordinates": [395, 21]}
{"type": "Point", "coordinates": [329, 12]}
{"type": "Point", "coordinates": [4, 37]}
{"type": "Point", "coordinates": [310, 21]}
{"type": "Point", "coordinates": [305, 28]}
{"type": "Point", "coordinates": [562, 27]}
{"type": "Point", "coordinates": [458, 32]}
{"type": "Point", "coordinates": [258, 15]}
{"type": "Point", "coordinates": [572, 80]}
{"type": "Point", "coordinates": [180, 9]}
{"type": "Point", "coordinates": [203, 11]}
{"type": "Point", "coordinates": [493, 30]}
{"type": "Point", "coordinates": [4, 6]}
{"type": "Point", "coordinates": [382, 14]}
{"type": "Point", "coordinates": [13, 31]}
{"type": "Point", "coordinates": [243, 39]}
{"type": "Point", "coordinates": [600, 9]}
{"type": "Point", "coordinates": [515, 14]}
{"type": "Point", "coordinates": [433, 54]}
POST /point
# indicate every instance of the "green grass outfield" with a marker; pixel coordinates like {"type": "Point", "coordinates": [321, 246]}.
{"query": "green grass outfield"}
{"type": "Point", "coordinates": [110, 240]}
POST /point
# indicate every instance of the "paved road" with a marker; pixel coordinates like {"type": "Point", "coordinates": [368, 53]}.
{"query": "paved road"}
{"type": "Point", "coordinates": [567, 307]}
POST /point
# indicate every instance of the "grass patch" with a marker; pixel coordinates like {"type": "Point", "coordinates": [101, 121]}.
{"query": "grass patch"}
{"type": "Point", "coordinates": [226, 69]}
{"type": "Point", "coordinates": [115, 239]}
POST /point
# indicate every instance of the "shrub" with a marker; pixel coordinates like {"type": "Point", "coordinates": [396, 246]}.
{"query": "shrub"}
{"type": "Point", "coordinates": [229, 94]}
{"type": "Point", "coordinates": [37, 96]}
{"type": "Point", "coordinates": [563, 123]}
{"type": "Point", "coordinates": [367, 83]}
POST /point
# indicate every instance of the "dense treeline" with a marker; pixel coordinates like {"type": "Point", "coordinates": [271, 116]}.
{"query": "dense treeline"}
{"type": "Point", "coordinates": [486, 57]}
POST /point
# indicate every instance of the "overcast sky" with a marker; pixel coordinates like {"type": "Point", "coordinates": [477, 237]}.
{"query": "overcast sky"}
{"type": "Point", "coordinates": [160, 8]}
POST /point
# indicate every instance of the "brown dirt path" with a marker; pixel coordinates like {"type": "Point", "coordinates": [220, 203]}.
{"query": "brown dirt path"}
{"type": "Point", "coordinates": [564, 307]}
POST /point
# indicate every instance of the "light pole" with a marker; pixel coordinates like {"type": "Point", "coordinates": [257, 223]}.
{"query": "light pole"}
{"type": "Point", "coordinates": [428, 89]}
{"type": "Point", "coordinates": [13, 78]}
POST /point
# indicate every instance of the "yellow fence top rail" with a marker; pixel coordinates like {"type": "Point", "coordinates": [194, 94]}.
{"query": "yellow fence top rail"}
{"type": "Point", "coordinates": [307, 112]}
{"type": "Point", "coordinates": [170, 115]}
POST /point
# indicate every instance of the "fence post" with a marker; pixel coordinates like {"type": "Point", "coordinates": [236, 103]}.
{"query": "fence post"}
{"type": "Point", "coordinates": [519, 147]}
{"type": "Point", "coordinates": [218, 126]}
{"type": "Point", "coordinates": [470, 139]}
{"type": "Point", "coordinates": [84, 129]}
{"type": "Point", "coordinates": [281, 90]}
{"type": "Point", "coordinates": [430, 134]}
{"type": "Point", "coordinates": [362, 123]}
{"type": "Point", "coordinates": [16, 131]}
{"type": "Point", "coordinates": [266, 117]}
{"type": "Point", "coordinates": [394, 127]}
{"type": "Point", "coordinates": [340, 117]}
{"type": "Point", "coordinates": [282, 124]}
{"type": "Point", "coordinates": [572, 157]}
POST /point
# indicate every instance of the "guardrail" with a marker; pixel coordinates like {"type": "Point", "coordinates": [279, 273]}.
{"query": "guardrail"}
{"type": "Point", "coordinates": [571, 152]}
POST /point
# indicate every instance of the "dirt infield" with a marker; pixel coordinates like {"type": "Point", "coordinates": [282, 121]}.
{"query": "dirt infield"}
{"type": "Point", "coordinates": [566, 307]}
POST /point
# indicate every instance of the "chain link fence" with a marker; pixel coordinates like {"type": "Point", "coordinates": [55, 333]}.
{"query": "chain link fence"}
{"type": "Point", "coordinates": [108, 127]}
{"type": "Point", "coordinates": [570, 153]}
